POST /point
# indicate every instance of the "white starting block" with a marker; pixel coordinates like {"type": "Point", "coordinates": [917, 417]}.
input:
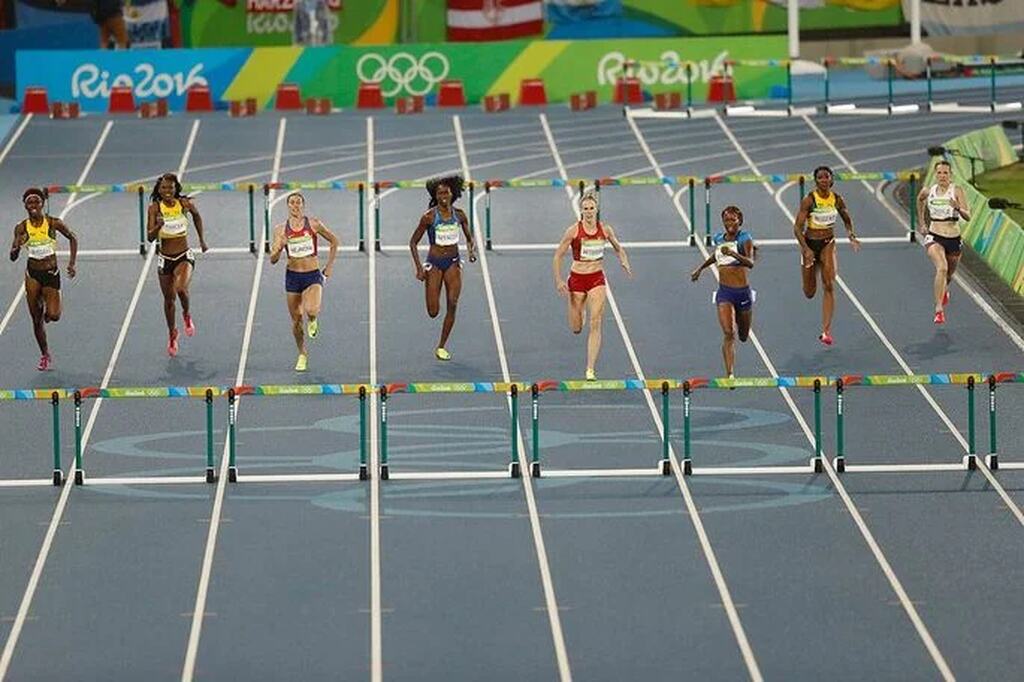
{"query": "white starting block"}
{"type": "Point", "coordinates": [957, 108]}
{"type": "Point", "coordinates": [888, 110]}
{"type": "Point", "coordinates": [650, 112]}
{"type": "Point", "coordinates": [750, 111]}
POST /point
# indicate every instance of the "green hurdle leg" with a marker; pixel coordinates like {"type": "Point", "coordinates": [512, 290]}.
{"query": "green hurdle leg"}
{"type": "Point", "coordinates": [362, 217]}
{"type": "Point", "coordinates": [487, 215]}
{"type": "Point", "coordinates": [840, 459]}
{"type": "Point", "coordinates": [472, 210]}
{"type": "Point", "coordinates": [535, 464]}
{"type": "Point", "coordinates": [693, 213]}
{"type": "Point", "coordinates": [58, 474]}
{"type": "Point", "coordinates": [266, 219]}
{"type": "Point", "coordinates": [687, 464]}
{"type": "Point", "coordinates": [383, 433]}
{"type": "Point", "coordinates": [252, 219]}
{"type": "Point", "coordinates": [364, 473]}
{"type": "Point", "coordinates": [232, 468]}
{"type": "Point", "coordinates": [992, 86]}
{"type": "Point", "coordinates": [928, 77]}
{"type": "Point", "coordinates": [211, 475]}
{"type": "Point", "coordinates": [689, 86]}
{"type": "Point", "coordinates": [665, 465]}
{"type": "Point", "coordinates": [970, 460]}
{"type": "Point", "coordinates": [890, 67]}
{"type": "Point", "coordinates": [789, 87]}
{"type": "Point", "coordinates": [142, 222]}
{"type": "Point", "coordinates": [826, 62]}
{"type": "Point", "coordinates": [513, 467]}
{"type": "Point", "coordinates": [79, 471]}
{"type": "Point", "coordinates": [993, 458]}
{"type": "Point", "coordinates": [707, 211]}
{"type": "Point", "coordinates": [816, 462]}
{"type": "Point", "coordinates": [376, 216]}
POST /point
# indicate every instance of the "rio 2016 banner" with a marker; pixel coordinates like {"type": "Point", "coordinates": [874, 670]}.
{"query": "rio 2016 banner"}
{"type": "Point", "coordinates": [336, 72]}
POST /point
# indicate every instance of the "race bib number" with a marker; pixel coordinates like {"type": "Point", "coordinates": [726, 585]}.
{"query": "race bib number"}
{"type": "Point", "coordinates": [300, 247]}
{"type": "Point", "coordinates": [824, 217]}
{"type": "Point", "coordinates": [726, 259]}
{"type": "Point", "coordinates": [176, 226]}
{"type": "Point", "coordinates": [40, 251]}
{"type": "Point", "coordinates": [941, 209]}
{"type": "Point", "coordinates": [446, 234]}
{"type": "Point", "coordinates": [592, 249]}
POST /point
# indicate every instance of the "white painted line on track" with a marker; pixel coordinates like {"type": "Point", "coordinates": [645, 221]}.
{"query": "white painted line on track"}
{"type": "Point", "coordinates": [26, 482]}
{"type": "Point", "coordinates": [58, 512]}
{"type": "Point", "coordinates": [550, 601]}
{"type": "Point", "coordinates": [296, 478]}
{"type": "Point", "coordinates": [1012, 335]}
{"type": "Point", "coordinates": [202, 591]}
{"type": "Point", "coordinates": [376, 627]}
{"type": "Point", "coordinates": [705, 542]}
{"type": "Point", "coordinates": [908, 606]}
{"type": "Point", "coordinates": [447, 475]}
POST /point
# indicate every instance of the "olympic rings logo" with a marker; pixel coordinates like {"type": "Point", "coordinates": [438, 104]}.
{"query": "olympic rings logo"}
{"type": "Point", "coordinates": [403, 71]}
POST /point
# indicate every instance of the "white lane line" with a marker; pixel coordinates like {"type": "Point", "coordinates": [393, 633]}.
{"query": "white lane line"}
{"type": "Point", "coordinates": [548, 584]}
{"type": "Point", "coordinates": [14, 138]}
{"type": "Point", "coordinates": [869, 538]}
{"type": "Point", "coordinates": [58, 512]}
{"type": "Point", "coordinates": [376, 626]}
{"type": "Point", "coordinates": [1010, 333]}
{"type": "Point", "coordinates": [192, 650]}
{"type": "Point", "coordinates": [69, 202]}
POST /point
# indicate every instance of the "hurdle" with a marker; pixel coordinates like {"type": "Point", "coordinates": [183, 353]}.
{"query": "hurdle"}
{"type": "Point", "coordinates": [852, 109]}
{"type": "Point", "coordinates": [993, 106]}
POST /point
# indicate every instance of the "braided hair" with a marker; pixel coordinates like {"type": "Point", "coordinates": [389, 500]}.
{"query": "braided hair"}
{"type": "Point", "coordinates": [454, 182]}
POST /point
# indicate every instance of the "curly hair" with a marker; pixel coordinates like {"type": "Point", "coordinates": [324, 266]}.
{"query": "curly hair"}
{"type": "Point", "coordinates": [155, 194]}
{"type": "Point", "coordinates": [735, 210]}
{"type": "Point", "coordinates": [831, 174]}
{"type": "Point", "coordinates": [454, 182]}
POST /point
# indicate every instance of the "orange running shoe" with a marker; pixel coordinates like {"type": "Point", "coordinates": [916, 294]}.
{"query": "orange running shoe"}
{"type": "Point", "coordinates": [44, 362]}
{"type": "Point", "coordinates": [940, 317]}
{"type": "Point", "coordinates": [825, 338]}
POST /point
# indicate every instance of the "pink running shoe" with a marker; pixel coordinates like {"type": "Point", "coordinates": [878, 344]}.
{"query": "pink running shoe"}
{"type": "Point", "coordinates": [190, 328]}
{"type": "Point", "coordinates": [172, 343]}
{"type": "Point", "coordinates": [940, 317]}
{"type": "Point", "coordinates": [44, 362]}
{"type": "Point", "coordinates": [825, 338]}
{"type": "Point", "coordinates": [945, 298]}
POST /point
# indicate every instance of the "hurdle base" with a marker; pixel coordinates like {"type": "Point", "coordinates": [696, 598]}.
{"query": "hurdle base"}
{"type": "Point", "coordinates": [233, 474]}
{"type": "Point", "coordinates": [992, 461]}
{"type": "Point", "coordinates": [970, 462]}
{"type": "Point", "coordinates": [514, 471]}
{"type": "Point", "coordinates": [79, 477]}
{"type": "Point", "coordinates": [851, 109]}
{"type": "Point", "coordinates": [384, 473]}
{"type": "Point", "coordinates": [687, 467]}
{"type": "Point", "coordinates": [665, 467]}
{"type": "Point", "coordinates": [364, 473]}
{"type": "Point", "coordinates": [816, 465]}
{"type": "Point", "coordinates": [211, 475]}
{"type": "Point", "coordinates": [58, 477]}
{"type": "Point", "coordinates": [535, 470]}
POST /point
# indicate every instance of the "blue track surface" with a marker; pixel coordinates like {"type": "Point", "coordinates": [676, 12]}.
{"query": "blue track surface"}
{"type": "Point", "coordinates": [602, 578]}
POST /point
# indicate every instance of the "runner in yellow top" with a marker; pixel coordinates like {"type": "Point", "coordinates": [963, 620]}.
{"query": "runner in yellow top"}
{"type": "Point", "coordinates": [817, 215]}
{"type": "Point", "coordinates": [42, 275]}
{"type": "Point", "coordinates": [303, 279]}
{"type": "Point", "coordinates": [168, 221]}
{"type": "Point", "coordinates": [940, 208]}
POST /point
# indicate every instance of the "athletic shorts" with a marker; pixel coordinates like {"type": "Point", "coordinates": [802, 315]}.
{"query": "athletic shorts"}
{"type": "Point", "coordinates": [582, 283]}
{"type": "Point", "coordinates": [168, 264]}
{"type": "Point", "coordinates": [442, 263]}
{"type": "Point", "coordinates": [297, 282]}
{"type": "Point", "coordinates": [951, 245]}
{"type": "Point", "coordinates": [46, 278]}
{"type": "Point", "coordinates": [818, 245]}
{"type": "Point", "coordinates": [741, 298]}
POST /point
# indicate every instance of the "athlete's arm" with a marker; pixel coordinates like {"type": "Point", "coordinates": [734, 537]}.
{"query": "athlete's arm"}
{"type": "Point", "coordinates": [72, 238]}
{"type": "Point", "coordinates": [277, 244]}
{"type": "Point", "coordinates": [20, 237]}
{"type": "Point", "coordinates": [414, 241]}
{"type": "Point", "coordinates": [560, 251]}
{"type": "Point", "coordinates": [619, 250]}
{"type": "Point", "coordinates": [961, 204]}
{"type": "Point", "coordinates": [197, 220]}
{"type": "Point", "coordinates": [333, 240]}
{"type": "Point", "coordinates": [847, 221]}
{"type": "Point", "coordinates": [154, 221]}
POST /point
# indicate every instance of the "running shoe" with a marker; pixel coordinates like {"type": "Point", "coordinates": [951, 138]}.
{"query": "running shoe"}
{"type": "Point", "coordinates": [44, 362]}
{"type": "Point", "coordinates": [591, 375]}
{"type": "Point", "coordinates": [825, 338]}
{"type": "Point", "coordinates": [172, 343]}
{"type": "Point", "coordinates": [940, 317]}
{"type": "Point", "coordinates": [190, 327]}
{"type": "Point", "coordinates": [313, 327]}
{"type": "Point", "coordinates": [442, 354]}
{"type": "Point", "coordinates": [300, 364]}
{"type": "Point", "coordinates": [945, 298]}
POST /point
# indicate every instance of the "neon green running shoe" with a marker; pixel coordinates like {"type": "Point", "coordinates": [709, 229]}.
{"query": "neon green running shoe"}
{"type": "Point", "coordinates": [300, 364]}
{"type": "Point", "coordinates": [442, 354]}
{"type": "Point", "coordinates": [313, 327]}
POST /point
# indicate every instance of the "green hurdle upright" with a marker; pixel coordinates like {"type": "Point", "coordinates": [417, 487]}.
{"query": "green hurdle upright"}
{"type": "Point", "coordinates": [383, 432]}
{"type": "Point", "coordinates": [840, 458]}
{"type": "Point", "coordinates": [993, 459]}
{"type": "Point", "coordinates": [816, 462]}
{"type": "Point", "coordinates": [971, 460]}
{"type": "Point", "coordinates": [687, 462]}
{"type": "Point", "coordinates": [666, 430]}
{"type": "Point", "coordinates": [211, 475]}
{"type": "Point", "coordinates": [58, 474]}
{"type": "Point", "coordinates": [535, 404]}
{"type": "Point", "coordinates": [364, 473]}
{"type": "Point", "coordinates": [142, 221]}
{"type": "Point", "coordinates": [513, 467]}
{"type": "Point", "coordinates": [232, 468]}
{"type": "Point", "coordinates": [252, 219]}
{"type": "Point", "coordinates": [79, 472]}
